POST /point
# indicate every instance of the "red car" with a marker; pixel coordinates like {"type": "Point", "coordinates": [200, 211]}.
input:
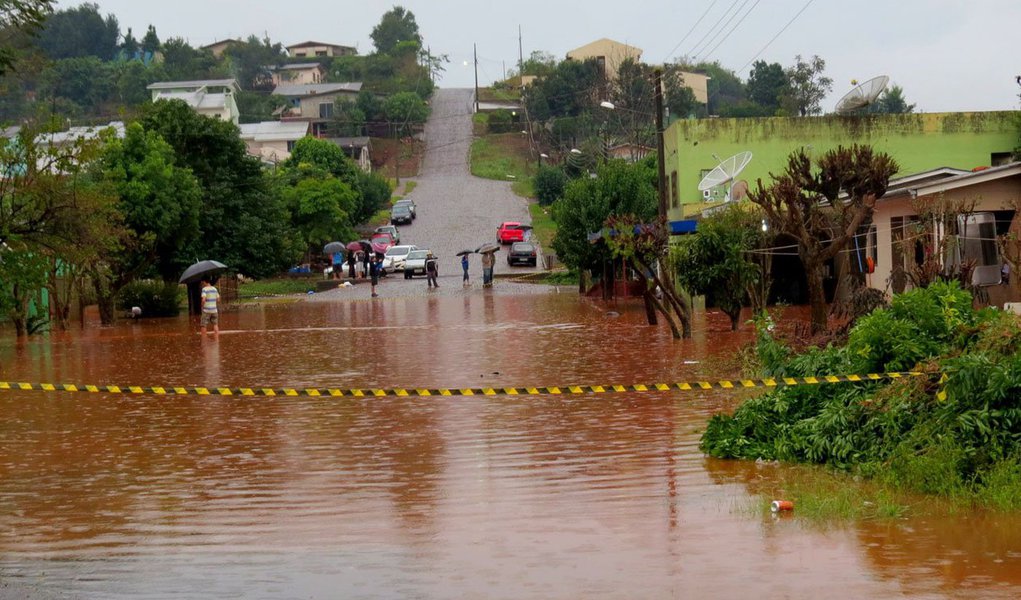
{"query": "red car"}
{"type": "Point", "coordinates": [381, 242]}
{"type": "Point", "coordinates": [511, 231]}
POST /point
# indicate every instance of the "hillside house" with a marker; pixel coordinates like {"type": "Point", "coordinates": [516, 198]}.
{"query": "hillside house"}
{"type": "Point", "coordinates": [314, 103]}
{"type": "Point", "coordinates": [273, 141]}
{"type": "Point", "coordinates": [210, 97]}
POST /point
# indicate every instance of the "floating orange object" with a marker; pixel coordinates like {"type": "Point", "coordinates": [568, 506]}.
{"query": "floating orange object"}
{"type": "Point", "coordinates": [781, 505]}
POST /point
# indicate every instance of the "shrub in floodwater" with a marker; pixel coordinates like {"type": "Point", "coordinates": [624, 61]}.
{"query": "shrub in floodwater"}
{"type": "Point", "coordinates": [954, 436]}
{"type": "Point", "coordinates": [155, 298]}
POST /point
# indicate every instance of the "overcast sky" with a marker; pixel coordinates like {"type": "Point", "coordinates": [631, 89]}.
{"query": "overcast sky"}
{"type": "Point", "coordinates": [948, 55]}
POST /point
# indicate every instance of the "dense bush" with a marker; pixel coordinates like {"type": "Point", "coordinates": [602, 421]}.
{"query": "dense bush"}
{"type": "Point", "coordinates": [500, 121]}
{"type": "Point", "coordinates": [955, 435]}
{"type": "Point", "coordinates": [155, 298]}
{"type": "Point", "coordinates": [549, 184]}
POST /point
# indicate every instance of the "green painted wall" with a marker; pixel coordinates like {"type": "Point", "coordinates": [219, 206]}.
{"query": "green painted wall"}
{"type": "Point", "coordinates": [918, 142]}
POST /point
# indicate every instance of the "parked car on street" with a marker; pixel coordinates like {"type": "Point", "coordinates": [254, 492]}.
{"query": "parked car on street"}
{"type": "Point", "coordinates": [400, 215]}
{"type": "Point", "coordinates": [392, 230]}
{"type": "Point", "coordinates": [381, 242]}
{"type": "Point", "coordinates": [522, 253]}
{"type": "Point", "coordinates": [511, 231]}
{"type": "Point", "coordinates": [411, 206]}
{"type": "Point", "coordinates": [395, 256]}
{"type": "Point", "coordinates": [415, 263]}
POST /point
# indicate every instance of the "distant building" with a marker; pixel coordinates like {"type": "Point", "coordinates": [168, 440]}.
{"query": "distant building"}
{"type": "Point", "coordinates": [297, 74]}
{"type": "Point", "coordinates": [210, 97]}
{"type": "Point", "coordinates": [312, 49]}
{"type": "Point", "coordinates": [699, 85]}
{"type": "Point", "coordinates": [357, 149]}
{"type": "Point", "coordinates": [314, 102]}
{"type": "Point", "coordinates": [273, 141]}
{"type": "Point", "coordinates": [218, 48]}
{"type": "Point", "coordinates": [608, 53]}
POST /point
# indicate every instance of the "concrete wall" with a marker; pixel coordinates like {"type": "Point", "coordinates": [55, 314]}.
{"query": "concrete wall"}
{"type": "Point", "coordinates": [918, 142]}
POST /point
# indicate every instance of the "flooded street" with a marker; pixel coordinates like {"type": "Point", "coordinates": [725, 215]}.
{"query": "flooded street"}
{"type": "Point", "coordinates": [575, 496]}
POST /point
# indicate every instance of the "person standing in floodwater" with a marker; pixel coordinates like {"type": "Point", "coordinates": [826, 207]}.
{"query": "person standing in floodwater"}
{"type": "Point", "coordinates": [488, 260]}
{"type": "Point", "coordinates": [352, 258]}
{"type": "Point", "coordinates": [374, 273]}
{"type": "Point", "coordinates": [464, 267]}
{"type": "Point", "coordinates": [431, 270]}
{"type": "Point", "coordinates": [210, 312]}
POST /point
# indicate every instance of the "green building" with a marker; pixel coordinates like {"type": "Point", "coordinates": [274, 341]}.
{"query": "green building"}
{"type": "Point", "coordinates": [918, 142]}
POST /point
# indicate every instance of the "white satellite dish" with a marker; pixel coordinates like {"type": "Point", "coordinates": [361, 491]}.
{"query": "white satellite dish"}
{"type": "Point", "coordinates": [862, 95]}
{"type": "Point", "coordinates": [725, 172]}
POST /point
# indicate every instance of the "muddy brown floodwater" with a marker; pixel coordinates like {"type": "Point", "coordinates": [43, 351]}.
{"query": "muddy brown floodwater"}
{"type": "Point", "coordinates": [122, 496]}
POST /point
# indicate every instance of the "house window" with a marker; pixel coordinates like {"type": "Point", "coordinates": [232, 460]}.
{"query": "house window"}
{"type": "Point", "coordinates": [290, 145]}
{"type": "Point", "coordinates": [326, 110]}
{"type": "Point", "coordinates": [298, 54]}
{"type": "Point", "coordinates": [321, 53]}
{"type": "Point", "coordinates": [1000, 158]}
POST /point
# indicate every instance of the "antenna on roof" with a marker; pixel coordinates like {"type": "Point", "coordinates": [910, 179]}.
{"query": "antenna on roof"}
{"type": "Point", "coordinates": [724, 173]}
{"type": "Point", "coordinates": [862, 95]}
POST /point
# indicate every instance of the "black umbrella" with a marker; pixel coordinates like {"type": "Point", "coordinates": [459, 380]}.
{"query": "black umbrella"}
{"type": "Point", "coordinates": [464, 252]}
{"type": "Point", "coordinates": [487, 248]}
{"type": "Point", "coordinates": [333, 248]}
{"type": "Point", "coordinates": [201, 270]}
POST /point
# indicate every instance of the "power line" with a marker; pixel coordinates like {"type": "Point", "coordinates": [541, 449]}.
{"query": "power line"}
{"type": "Point", "coordinates": [773, 39]}
{"type": "Point", "coordinates": [732, 29]}
{"type": "Point", "coordinates": [674, 49]}
{"type": "Point", "coordinates": [712, 30]}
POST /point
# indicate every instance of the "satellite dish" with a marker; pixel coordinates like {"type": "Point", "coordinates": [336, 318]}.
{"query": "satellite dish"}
{"type": "Point", "coordinates": [725, 172]}
{"type": "Point", "coordinates": [862, 95]}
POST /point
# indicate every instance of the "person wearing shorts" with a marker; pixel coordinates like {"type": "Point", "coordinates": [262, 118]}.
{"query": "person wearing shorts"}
{"type": "Point", "coordinates": [210, 313]}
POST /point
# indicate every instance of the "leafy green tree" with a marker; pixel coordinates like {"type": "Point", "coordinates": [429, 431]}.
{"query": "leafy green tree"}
{"type": "Point", "coordinates": [572, 89]}
{"type": "Point", "coordinates": [766, 84]}
{"type": "Point", "coordinates": [374, 195]}
{"type": "Point", "coordinates": [258, 106]}
{"type": "Point", "coordinates": [618, 189]}
{"type": "Point", "coordinates": [716, 261]}
{"type": "Point", "coordinates": [323, 155]}
{"type": "Point", "coordinates": [679, 99]}
{"type": "Point", "coordinates": [805, 203]}
{"type": "Point", "coordinates": [249, 61]}
{"type": "Point", "coordinates": [549, 184]}
{"type": "Point", "coordinates": [806, 87]}
{"type": "Point", "coordinates": [242, 223]}
{"type": "Point", "coordinates": [348, 119]}
{"type": "Point", "coordinates": [539, 64]}
{"type": "Point", "coordinates": [321, 210]}
{"type": "Point", "coordinates": [19, 19]}
{"type": "Point", "coordinates": [129, 46]}
{"type": "Point", "coordinates": [159, 203]}
{"type": "Point", "coordinates": [404, 111]}
{"type": "Point", "coordinates": [130, 78]}
{"type": "Point", "coordinates": [891, 102]}
{"type": "Point", "coordinates": [151, 41]}
{"type": "Point", "coordinates": [80, 31]}
{"type": "Point", "coordinates": [85, 80]}
{"type": "Point", "coordinates": [22, 275]}
{"type": "Point", "coordinates": [396, 25]}
{"type": "Point", "coordinates": [184, 63]}
{"type": "Point", "coordinates": [725, 88]}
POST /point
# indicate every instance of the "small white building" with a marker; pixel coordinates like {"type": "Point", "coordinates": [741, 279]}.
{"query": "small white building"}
{"type": "Point", "coordinates": [273, 141]}
{"type": "Point", "coordinates": [209, 97]}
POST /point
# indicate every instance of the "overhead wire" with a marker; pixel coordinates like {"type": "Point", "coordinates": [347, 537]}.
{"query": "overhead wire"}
{"type": "Point", "coordinates": [686, 35]}
{"type": "Point", "coordinates": [712, 30]}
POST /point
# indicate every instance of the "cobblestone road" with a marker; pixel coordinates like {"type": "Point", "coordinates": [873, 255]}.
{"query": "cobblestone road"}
{"type": "Point", "coordinates": [456, 211]}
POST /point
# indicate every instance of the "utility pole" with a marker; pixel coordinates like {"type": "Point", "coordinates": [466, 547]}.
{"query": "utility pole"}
{"type": "Point", "coordinates": [521, 56]}
{"type": "Point", "coordinates": [475, 52]}
{"type": "Point", "coordinates": [660, 158]}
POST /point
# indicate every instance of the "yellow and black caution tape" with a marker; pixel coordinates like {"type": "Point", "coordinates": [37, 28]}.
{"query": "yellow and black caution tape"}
{"type": "Point", "coordinates": [725, 384]}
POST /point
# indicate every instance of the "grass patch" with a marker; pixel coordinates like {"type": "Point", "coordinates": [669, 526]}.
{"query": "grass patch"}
{"type": "Point", "coordinates": [566, 277]}
{"type": "Point", "coordinates": [275, 287]}
{"type": "Point", "coordinates": [524, 188]}
{"type": "Point", "coordinates": [499, 95]}
{"type": "Point", "coordinates": [544, 228]}
{"type": "Point", "coordinates": [503, 157]}
{"type": "Point", "coordinates": [409, 186]}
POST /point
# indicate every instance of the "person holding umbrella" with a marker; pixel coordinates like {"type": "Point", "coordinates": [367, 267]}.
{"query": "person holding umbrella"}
{"type": "Point", "coordinates": [488, 260]}
{"type": "Point", "coordinates": [464, 267]}
{"type": "Point", "coordinates": [210, 314]}
{"type": "Point", "coordinates": [431, 270]}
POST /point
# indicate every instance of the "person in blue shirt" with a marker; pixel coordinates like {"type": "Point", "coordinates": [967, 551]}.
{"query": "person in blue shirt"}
{"type": "Point", "coordinates": [464, 267]}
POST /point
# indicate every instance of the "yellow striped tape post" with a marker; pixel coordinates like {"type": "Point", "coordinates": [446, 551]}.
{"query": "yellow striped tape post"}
{"type": "Point", "coordinates": [684, 386]}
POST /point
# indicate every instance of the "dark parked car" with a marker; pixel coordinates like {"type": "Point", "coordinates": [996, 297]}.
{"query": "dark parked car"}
{"type": "Point", "coordinates": [400, 215]}
{"type": "Point", "coordinates": [521, 253]}
{"type": "Point", "coordinates": [410, 204]}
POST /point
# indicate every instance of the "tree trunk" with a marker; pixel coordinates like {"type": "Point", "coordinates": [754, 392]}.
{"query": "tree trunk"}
{"type": "Point", "coordinates": [735, 318]}
{"type": "Point", "coordinates": [106, 308]}
{"type": "Point", "coordinates": [650, 308]}
{"type": "Point", "coordinates": [845, 284]}
{"type": "Point", "coordinates": [816, 295]}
